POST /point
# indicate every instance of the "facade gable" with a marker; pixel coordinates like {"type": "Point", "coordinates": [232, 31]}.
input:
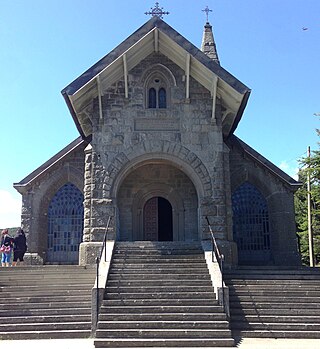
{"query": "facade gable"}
{"type": "Point", "coordinates": [156, 36]}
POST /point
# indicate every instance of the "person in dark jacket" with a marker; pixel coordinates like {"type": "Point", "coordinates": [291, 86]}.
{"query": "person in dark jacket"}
{"type": "Point", "coordinates": [20, 247]}
{"type": "Point", "coordinates": [6, 248]}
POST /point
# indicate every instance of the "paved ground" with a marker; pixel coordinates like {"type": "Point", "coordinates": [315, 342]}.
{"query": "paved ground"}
{"type": "Point", "coordinates": [88, 344]}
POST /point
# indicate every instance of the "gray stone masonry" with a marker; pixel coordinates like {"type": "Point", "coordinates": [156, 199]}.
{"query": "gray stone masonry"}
{"type": "Point", "coordinates": [182, 136]}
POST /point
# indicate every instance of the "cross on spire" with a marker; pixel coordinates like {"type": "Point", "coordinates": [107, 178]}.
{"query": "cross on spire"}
{"type": "Point", "coordinates": [157, 11]}
{"type": "Point", "coordinates": [207, 10]}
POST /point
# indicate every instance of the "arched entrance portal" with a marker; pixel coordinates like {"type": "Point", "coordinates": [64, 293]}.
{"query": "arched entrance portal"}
{"type": "Point", "coordinates": [175, 198]}
{"type": "Point", "coordinates": [157, 220]}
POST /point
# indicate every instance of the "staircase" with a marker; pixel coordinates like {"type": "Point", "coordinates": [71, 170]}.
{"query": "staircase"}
{"type": "Point", "coordinates": [42, 302]}
{"type": "Point", "coordinates": [275, 303]}
{"type": "Point", "coordinates": [159, 294]}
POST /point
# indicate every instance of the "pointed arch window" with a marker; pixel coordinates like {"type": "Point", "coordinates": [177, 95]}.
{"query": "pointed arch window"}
{"type": "Point", "coordinates": [152, 98]}
{"type": "Point", "coordinates": [251, 225]}
{"type": "Point", "coordinates": [65, 225]}
{"type": "Point", "coordinates": [157, 92]}
{"type": "Point", "coordinates": [162, 95]}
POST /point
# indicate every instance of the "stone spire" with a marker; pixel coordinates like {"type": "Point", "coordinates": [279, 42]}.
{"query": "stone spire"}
{"type": "Point", "coordinates": [208, 45]}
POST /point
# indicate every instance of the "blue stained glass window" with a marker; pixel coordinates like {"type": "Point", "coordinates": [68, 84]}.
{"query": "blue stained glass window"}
{"type": "Point", "coordinates": [162, 98]}
{"type": "Point", "coordinates": [251, 224]}
{"type": "Point", "coordinates": [65, 225]}
{"type": "Point", "coordinates": [152, 98]}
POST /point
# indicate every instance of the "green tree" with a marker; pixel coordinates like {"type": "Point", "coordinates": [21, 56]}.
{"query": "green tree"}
{"type": "Point", "coordinates": [311, 166]}
{"type": "Point", "coordinates": [302, 217]}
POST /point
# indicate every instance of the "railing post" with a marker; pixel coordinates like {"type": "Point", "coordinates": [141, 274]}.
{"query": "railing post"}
{"type": "Point", "coordinates": [222, 282]}
{"type": "Point", "coordinates": [220, 260]}
{"type": "Point", "coordinates": [97, 261]}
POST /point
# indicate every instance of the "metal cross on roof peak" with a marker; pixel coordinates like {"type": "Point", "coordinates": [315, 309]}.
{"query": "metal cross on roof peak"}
{"type": "Point", "coordinates": [207, 10]}
{"type": "Point", "coordinates": [157, 11]}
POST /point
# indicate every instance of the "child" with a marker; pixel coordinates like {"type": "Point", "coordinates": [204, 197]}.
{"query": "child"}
{"type": "Point", "coordinates": [7, 245]}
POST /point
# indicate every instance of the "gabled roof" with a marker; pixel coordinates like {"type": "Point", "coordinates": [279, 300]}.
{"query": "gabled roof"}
{"type": "Point", "coordinates": [258, 158]}
{"type": "Point", "coordinates": [48, 164]}
{"type": "Point", "coordinates": [155, 36]}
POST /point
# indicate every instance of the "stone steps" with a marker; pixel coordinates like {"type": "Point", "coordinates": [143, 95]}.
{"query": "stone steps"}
{"type": "Point", "coordinates": [114, 276]}
{"type": "Point", "coordinates": [214, 316]}
{"type": "Point", "coordinates": [279, 318]}
{"type": "Point", "coordinates": [155, 283]}
{"type": "Point", "coordinates": [160, 289]}
{"type": "Point", "coordinates": [48, 334]}
{"type": "Point", "coordinates": [44, 302]}
{"type": "Point", "coordinates": [163, 333]}
{"type": "Point", "coordinates": [162, 302]}
{"type": "Point", "coordinates": [80, 309]}
{"type": "Point", "coordinates": [125, 272]}
{"type": "Point", "coordinates": [47, 299]}
{"type": "Point", "coordinates": [48, 319]}
{"type": "Point", "coordinates": [167, 342]}
{"type": "Point", "coordinates": [40, 326]}
{"type": "Point", "coordinates": [160, 294]}
{"type": "Point", "coordinates": [258, 299]}
{"type": "Point", "coordinates": [166, 266]}
{"type": "Point", "coordinates": [160, 324]}
{"type": "Point", "coordinates": [163, 295]}
{"type": "Point", "coordinates": [162, 309]}
{"type": "Point", "coordinates": [42, 305]}
{"type": "Point", "coordinates": [274, 303]}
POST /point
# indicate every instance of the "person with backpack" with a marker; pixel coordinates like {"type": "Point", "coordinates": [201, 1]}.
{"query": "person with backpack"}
{"type": "Point", "coordinates": [6, 248]}
{"type": "Point", "coordinates": [20, 247]}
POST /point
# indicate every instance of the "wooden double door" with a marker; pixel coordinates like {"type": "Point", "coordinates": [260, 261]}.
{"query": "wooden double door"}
{"type": "Point", "coordinates": [157, 220]}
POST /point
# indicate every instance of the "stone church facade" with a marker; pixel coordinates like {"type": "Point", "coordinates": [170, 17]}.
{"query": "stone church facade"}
{"type": "Point", "coordinates": [157, 153]}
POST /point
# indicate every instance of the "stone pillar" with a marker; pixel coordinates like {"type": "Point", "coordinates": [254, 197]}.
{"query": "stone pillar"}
{"type": "Point", "coordinates": [33, 254]}
{"type": "Point", "coordinates": [283, 228]}
{"type": "Point", "coordinates": [97, 210]}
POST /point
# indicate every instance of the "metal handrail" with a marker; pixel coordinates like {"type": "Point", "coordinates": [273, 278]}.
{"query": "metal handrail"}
{"type": "Point", "coordinates": [103, 248]}
{"type": "Point", "coordinates": [219, 257]}
{"type": "Point", "coordinates": [98, 259]}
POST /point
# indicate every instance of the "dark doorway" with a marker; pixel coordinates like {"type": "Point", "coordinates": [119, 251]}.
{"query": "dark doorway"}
{"type": "Point", "coordinates": [157, 222]}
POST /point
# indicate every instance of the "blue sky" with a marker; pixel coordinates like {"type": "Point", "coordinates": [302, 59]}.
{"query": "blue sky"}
{"type": "Point", "coordinates": [47, 44]}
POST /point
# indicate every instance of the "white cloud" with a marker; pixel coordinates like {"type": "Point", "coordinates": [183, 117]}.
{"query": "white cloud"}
{"type": "Point", "coordinates": [10, 209]}
{"type": "Point", "coordinates": [289, 169]}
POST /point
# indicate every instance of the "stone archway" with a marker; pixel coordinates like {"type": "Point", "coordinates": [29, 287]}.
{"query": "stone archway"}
{"type": "Point", "coordinates": [157, 180]}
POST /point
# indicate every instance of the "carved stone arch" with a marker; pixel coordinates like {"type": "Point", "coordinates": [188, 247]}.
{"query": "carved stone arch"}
{"type": "Point", "coordinates": [247, 176]}
{"type": "Point", "coordinates": [157, 82]}
{"type": "Point", "coordinates": [57, 180]}
{"type": "Point", "coordinates": [42, 200]}
{"type": "Point", "coordinates": [161, 69]}
{"type": "Point", "coordinates": [158, 190]}
{"type": "Point", "coordinates": [179, 156]}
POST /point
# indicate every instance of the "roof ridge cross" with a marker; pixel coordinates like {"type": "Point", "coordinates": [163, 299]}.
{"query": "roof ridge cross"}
{"type": "Point", "coordinates": [157, 11]}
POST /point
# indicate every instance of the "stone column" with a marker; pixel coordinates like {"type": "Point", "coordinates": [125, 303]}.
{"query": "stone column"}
{"type": "Point", "coordinates": [97, 210]}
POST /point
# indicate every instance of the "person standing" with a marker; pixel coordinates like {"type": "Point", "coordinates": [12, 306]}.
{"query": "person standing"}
{"type": "Point", "coordinates": [20, 247]}
{"type": "Point", "coordinates": [7, 247]}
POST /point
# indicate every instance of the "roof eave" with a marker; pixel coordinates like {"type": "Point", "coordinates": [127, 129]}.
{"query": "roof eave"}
{"type": "Point", "coordinates": [73, 114]}
{"type": "Point", "coordinates": [24, 184]}
{"type": "Point", "coordinates": [238, 90]}
{"type": "Point", "coordinates": [275, 170]}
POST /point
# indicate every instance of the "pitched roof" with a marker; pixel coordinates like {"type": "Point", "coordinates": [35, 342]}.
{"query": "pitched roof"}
{"type": "Point", "coordinates": [257, 157]}
{"type": "Point", "coordinates": [78, 142]}
{"type": "Point", "coordinates": [155, 36]}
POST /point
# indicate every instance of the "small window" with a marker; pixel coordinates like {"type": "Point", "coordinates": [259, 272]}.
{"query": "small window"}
{"type": "Point", "coordinates": [162, 98]}
{"type": "Point", "coordinates": [152, 98]}
{"type": "Point", "coordinates": [156, 92]}
{"type": "Point", "coordinates": [157, 98]}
